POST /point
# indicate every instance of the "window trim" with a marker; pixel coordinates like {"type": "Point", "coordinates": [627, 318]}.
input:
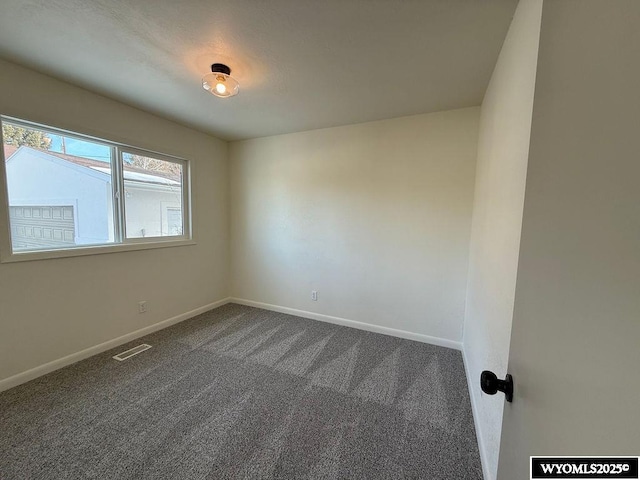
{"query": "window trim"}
{"type": "Point", "coordinates": [120, 243]}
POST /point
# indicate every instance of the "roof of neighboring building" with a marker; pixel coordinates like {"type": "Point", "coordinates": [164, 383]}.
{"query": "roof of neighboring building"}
{"type": "Point", "coordinates": [130, 173]}
{"type": "Point", "coordinates": [9, 150]}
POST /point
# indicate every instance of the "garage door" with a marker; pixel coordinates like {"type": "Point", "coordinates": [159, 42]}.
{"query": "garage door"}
{"type": "Point", "coordinates": [45, 226]}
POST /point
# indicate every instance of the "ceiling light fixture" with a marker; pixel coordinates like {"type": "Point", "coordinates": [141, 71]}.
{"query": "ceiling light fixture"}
{"type": "Point", "coordinates": [220, 82]}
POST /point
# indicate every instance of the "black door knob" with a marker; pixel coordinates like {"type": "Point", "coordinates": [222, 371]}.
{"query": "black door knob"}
{"type": "Point", "coordinates": [491, 385]}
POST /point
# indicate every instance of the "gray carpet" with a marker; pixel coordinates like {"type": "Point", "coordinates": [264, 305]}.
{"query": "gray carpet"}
{"type": "Point", "coordinates": [244, 393]}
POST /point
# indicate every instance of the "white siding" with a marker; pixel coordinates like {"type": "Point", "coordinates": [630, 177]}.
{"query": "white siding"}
{"type": "Point", "coordinates": [146, 208]}
{"type": "Point", "coordinates": [34, 179]}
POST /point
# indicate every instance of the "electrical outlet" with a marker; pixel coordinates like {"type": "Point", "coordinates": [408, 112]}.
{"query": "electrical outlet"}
{"type": "Point", "coordinates": [142, 307]}
{"type": "Point", "coordinates": [314, 295]}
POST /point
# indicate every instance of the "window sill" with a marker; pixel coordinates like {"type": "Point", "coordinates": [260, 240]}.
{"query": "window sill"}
{"type": "Point", "coordinates": [92, 250]}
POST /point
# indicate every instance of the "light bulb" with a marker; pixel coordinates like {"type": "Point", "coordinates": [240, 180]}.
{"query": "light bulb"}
{"type": "Point", "coordinates": [221, 88]}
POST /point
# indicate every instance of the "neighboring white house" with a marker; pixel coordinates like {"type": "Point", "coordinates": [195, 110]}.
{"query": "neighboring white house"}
{"type": "Point", "coordinates": [57, 200]}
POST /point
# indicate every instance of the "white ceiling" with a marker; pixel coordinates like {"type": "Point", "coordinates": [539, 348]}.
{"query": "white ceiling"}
{"type": "Point", "coordinates": [301, 64]}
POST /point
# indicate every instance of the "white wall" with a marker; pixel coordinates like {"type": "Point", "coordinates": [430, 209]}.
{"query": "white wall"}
{"type": "Point", "coordinates": [53, 308]}
{"type": "Point", "coordinates": [146, 208]}
{"type": "Point", "coordinates": [35, 178]}
{"type": "Point", "coordinates": [576, 327]}
{"type": "Point", "coordinates": [376, 217]}
{"type": "Point", "coordinates": [503, 148]}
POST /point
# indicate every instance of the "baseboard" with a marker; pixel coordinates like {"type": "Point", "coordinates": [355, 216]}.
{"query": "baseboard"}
{"type": "Point", "coordinates": [474, 409]}
{"type": "Point", "coordinates": [441, 342]}
{"type": "Point", "coordinates": [36, 372]}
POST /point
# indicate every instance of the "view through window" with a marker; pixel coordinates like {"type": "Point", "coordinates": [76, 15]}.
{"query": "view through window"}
{"type": "Point", "coordinates": [64, 190]}
{"type": "Point", "coordinates": [153, 196]}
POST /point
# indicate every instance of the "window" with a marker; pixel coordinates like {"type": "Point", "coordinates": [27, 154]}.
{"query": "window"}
{"type": "Point", "coordinates": [66, 191]}
{"type": "Point", "coordinates": [153, 196]}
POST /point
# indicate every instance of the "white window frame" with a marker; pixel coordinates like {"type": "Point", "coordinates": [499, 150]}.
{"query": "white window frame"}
{"type": "Point", "coordinates": [121, 242]}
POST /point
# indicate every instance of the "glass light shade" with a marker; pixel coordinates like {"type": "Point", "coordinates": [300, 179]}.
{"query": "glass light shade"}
{"type": "Point", "coordinates": [220, 84]}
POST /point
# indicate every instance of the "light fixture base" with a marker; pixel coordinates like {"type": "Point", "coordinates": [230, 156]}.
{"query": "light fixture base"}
{"type": "Point", "coordinates": [220, 68]}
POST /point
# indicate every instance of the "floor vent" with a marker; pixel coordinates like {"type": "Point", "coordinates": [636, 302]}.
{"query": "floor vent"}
{"type": "Point", "coordinates": [131, 352]}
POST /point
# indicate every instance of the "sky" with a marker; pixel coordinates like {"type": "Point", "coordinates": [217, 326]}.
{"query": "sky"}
{"type": "Point", "coordinates": [80, 148]}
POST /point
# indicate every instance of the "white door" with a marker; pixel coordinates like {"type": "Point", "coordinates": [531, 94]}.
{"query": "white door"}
{"type": "Point", "coordinates": [575, 345]}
